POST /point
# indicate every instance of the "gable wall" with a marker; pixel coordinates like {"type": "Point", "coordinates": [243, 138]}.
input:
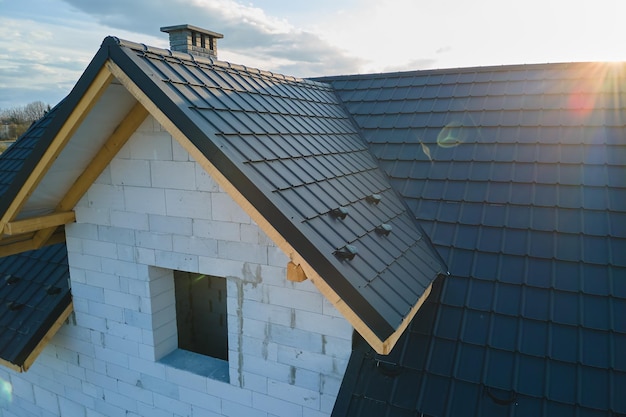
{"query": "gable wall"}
{"type": "Point", "coordinates": [154, 210]}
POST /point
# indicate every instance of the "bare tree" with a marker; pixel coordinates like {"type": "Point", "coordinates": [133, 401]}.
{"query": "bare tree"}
{"type": "Point", "coordinates": [16, 120]}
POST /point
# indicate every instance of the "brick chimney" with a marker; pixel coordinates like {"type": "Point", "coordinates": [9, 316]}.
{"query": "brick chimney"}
{"type": "Point", "coordinates": [193, 40]}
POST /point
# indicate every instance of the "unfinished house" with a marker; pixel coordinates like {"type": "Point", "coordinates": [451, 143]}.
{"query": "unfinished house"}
{"type": "Point", "coordinates": [183, 236]}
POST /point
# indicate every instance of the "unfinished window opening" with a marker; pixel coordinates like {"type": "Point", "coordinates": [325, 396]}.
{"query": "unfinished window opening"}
{"type": "Point", "coordinates": [201, 316]}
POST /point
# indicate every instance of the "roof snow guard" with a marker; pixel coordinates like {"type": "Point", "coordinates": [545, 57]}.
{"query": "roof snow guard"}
{"type": "Point", "coordinates": [287, 152]}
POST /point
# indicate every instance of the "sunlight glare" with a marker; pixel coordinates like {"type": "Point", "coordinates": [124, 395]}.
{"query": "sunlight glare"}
{"type": "Point", "coordinates": [6, 392]}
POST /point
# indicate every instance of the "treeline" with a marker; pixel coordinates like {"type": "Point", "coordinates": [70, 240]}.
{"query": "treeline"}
{"type": "Point", "coordinates": [15, 121]}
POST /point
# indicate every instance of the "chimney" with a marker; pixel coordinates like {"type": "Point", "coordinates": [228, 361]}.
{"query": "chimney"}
{"type": "Point", "coordinates": [193, 40]}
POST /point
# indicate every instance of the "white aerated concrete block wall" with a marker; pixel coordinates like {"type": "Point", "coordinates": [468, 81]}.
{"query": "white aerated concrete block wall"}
{"type": "Point", "coordinates": [152, 211]}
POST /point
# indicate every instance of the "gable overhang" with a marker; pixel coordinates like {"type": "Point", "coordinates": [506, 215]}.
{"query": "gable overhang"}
{"type": "Point", "coordinates": [76, 149]}
{"type": "Point", "coordinates": [113, 97]}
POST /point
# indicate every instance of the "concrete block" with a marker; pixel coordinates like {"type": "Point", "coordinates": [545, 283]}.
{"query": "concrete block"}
{"type": "Point", "coordinates": [312, 361]}
{"type": "Point", "coordinates": [155, 146]}
{"type": "Point", "coordinates": [136, 319]}
{"type": "Point", "coordinates": [164, 316]}
{"type": "Point", "coordinates": [102, 280]}
{"type": "Point", "coordinates": [93, 215]}
{"type": "Point", "coordinates": [78, 275]}
{"type": "Point", "coordinates": [124, 300]}
{"type": "Point", "coordinates": [227, 210]}
{"type": "Point", "coordinates": [268, 313]}
{"type": "Point", "coordinates": [107, 408]}
{"type": "Point", "coordinates": [184, 378]}
{"type": "Point", "coordinates": [250, 233]}
{"type": "Point", "coordinates": [295, 337]}
{"type": "Point", "coordinates": [234, 409]}
{"type": "Point", "coordinates": [105, 196]}
{"type": "Point", "coordinates": [329, 309]}
{"type": "Point", "coordinates": [129, 220]}
{"type": "Point", "coordinates": [106, 311]}
{"type": "Point", "coordinates": [70, 408]}
{"type": "Point", "coordinates": [152, 240]}
{"type": "Point", "coordinates": [80, 397]}
{"type": "Point", "coordinates": [201, 399]}
{"type": "Point", "coordinates": [179, 153]}
{"type": "Point", "coordinates": [136, 391]}
{"type": "Point", "coordinates": [170, 224]}
{"type": "Point", "coordinates": [74, 244]}
{"type": "Point", "coordinates": [305, 379]}
{"type": "Point", "coordinates": [118, 235]}
{"type": "Point", "coordinates": [193, 204]}
{"type": "Point", "coordinates": [195, 245]}
{"type": "Point", "coordinates": [276, 257]}
{"type": "Point", "coordinates": [330, 384]}
{"type": "Point", "coordinates": [133, 172]}
{"type": "Point", "coordinates": [238, 251]}
{"type": "Point", "coordinates": [276, 406]}
{"type": "Point", "coordinates": [175, 175]}
{"type": "Point", "coordinates": [266, 368]}
{"type": "Point", "coordinates": [88, 292]}
{"type": "Point", "coordinates": [254, 382]}
{"type": "Point", "coordinates": [145, 256]}
{"type": "Point", "coordinates": [216, 230]}
{"type": "Point", "coordinates": [120, 268]}
{"type": "Point", "coordinates": [126, 253]}
{"type": "Point", "coordinates": [136, 286]}
{"type": "Point", "coordinates": [302, 396]}
{"type": "Point", "coordinates": [178, 261]}
{"type": "Point", "coordinates": [219, 267]}
{"type": "Point", "coordinates": [122, 345]}
{"type": "Point", "coordinates": [110, 356]}
{"type": "Point", "coordinates": [21, 387]}
{"type": "Point", "coordinates": [161, 386]}
{"type": "Point", "coordinates": [82, 231]}
{"type": "Point", "coordinates": [124, 331]}
{"type": "Point", "coordinates": [145, 200]}
{"type": "Point", "coordinates": [300, 300]}
{"type": "Point", "coordinates": [148, 367]}
{"type": "Point", "coordinates": [322, 324]}
{"type": "Point", "coordinates": [204, 182]}
{"type": "Point", "coordinates": [46, 399]}
{"type": "Point", "coordinates": [100, 248]}
{"type": "Point", "coordinates": [87, 262]}
{"type": "Point", "coordinates": [90, 322]}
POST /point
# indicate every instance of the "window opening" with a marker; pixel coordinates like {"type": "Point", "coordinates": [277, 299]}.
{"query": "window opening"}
{"type": "Point", "coordinates": [201, 315]}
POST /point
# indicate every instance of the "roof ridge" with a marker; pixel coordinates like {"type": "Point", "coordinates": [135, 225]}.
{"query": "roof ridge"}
{"type": "Point", "coordinates": [184, 56]}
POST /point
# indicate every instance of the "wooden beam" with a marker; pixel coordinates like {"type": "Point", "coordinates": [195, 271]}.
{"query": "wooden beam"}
{"type": "Point", "coordinates": [85, 104]}
{"type": "Point", "coordinates": [295, 273]}
{"type": "Point", "coordinates": [111, 147]}
{"type": "Point", "coordinates": [380, 346]}
{"type": "Point", "coordinates": [25, 243]}
{"type": "Point", "coordinates": [47, 337]}
{"type": "Point", "coordinates": [34, 224]}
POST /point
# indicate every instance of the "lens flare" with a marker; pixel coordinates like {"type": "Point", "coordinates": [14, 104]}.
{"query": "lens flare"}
{"type": "Point", "coordinates": [6, 392]}
{"type": "Point", "coordinates": [451, 135]}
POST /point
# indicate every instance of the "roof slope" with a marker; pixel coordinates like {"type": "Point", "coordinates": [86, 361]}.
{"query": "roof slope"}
{"type": "Point", "coordinates": [288, 147]}
{"type": "Point", "coordinates": [34, 300]}
{"type": "Point", "coordinates": [518, 174]}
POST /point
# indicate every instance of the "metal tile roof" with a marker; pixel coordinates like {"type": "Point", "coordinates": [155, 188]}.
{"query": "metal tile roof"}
{"type": "Point", "coordinates": [518, 175]}
{"type": "Point", "coordinates": [293, 152]}
{"type": "Point", "coordinates": [34, 291]}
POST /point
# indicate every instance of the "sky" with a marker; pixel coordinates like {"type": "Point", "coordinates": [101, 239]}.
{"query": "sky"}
{"type": "Point", "coordinates": [45, 45]}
